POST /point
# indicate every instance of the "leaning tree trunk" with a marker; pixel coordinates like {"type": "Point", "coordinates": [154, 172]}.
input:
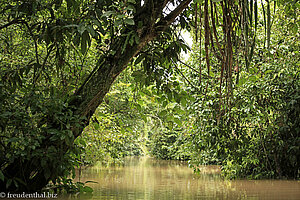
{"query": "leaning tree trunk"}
{"type": "Point", "coordinates": [90, 95]}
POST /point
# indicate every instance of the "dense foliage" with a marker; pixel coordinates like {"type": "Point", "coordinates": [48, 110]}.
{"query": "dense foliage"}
{"type": "Point", "coordinates": [254, 132]}
{"type": "Point", "coordinates": [87, 81]}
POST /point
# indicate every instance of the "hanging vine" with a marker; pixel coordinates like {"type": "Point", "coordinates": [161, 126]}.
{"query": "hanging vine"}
{"type": "Point", "coordinates": [229, 29]}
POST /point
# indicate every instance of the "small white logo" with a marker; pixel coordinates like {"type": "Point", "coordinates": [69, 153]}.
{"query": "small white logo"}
{"type": "Point", "coordinates": [2, 195]}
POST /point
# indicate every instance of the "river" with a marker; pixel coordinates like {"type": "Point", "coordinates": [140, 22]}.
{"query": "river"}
{"type": "Point", "coordinates": [149, 178]}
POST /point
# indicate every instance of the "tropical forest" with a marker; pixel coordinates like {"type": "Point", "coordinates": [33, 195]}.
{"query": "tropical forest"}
{"type": "Point", "coordinates": [186, 99]}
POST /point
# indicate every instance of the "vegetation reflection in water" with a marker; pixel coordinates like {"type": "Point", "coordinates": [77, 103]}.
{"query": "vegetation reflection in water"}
{"type": "Point", "coordinates": [149, 178]}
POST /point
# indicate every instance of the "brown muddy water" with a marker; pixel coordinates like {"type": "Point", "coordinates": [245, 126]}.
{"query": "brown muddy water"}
{"type": "Point", "coordinates": [149, 178]}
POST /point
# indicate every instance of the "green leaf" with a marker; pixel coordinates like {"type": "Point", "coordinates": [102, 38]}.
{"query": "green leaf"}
{"type": "Point", "coordinates": [183, 101]}
{"type": "Point", "coordinates": [126, 42]}
{"type": "Point", "coordinates": [8, 183]}
{"type": "Point", "coordinates": [176, 97]}
{"type": "Point", "coordinates": [131, 40]}
{"type": "Point", "coordinates": [16, 184]}
{"type": "Point", "coordinates": [170, 95]}
{"type": "Point", "coordinates": [137, 39]}
{"type": "Point", "coordinates": [81, 28]}
{"type": "Point", "coordinates": [163, 113]}
{"type": "Point", "coordinates": [164, 104]}
{"type": "Point", "coordinates": [129, 21]}
{"type": "Point", "coordinates": [13, 139]}
{"type": "Point", "coordinates": [82, 142]}
{"type": "Point", "coordinates": [108, 13]}
{"type": "Point", "coordinates": [85, 41]}
{"type": "Point", "coordinates": [91, 30]}
{"type": "Point", "coordinates": [178, 121]}
{"type": "Point", "coordinates": [20, 181]}
{"type": "Point", "coordinates": [293, 27]}
{"type": "Point", "coordinates": [132, 8]}
{"type": "Point", "coordinates": [96, 126]}
{"type": "Point", "coordinates": [1, 176]}
{"type": "Point", "coordinates": [139, 59]}
{"type": "Point", "coordinates": [139, 107]}
{"type": "Point", "coordinates": [87, 189]}
{"type": "Point", "coordinates": [144, 117]}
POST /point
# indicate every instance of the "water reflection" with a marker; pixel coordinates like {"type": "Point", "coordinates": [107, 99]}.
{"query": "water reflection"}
{"type": "Point", "coordinates": [148, 178]}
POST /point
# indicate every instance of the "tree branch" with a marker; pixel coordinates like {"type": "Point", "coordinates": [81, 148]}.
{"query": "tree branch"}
{"type": "Point", "coordinates": [178, 70]}
{"type": "Point", "coordinates": [15, 21]}
{"type": "Point", "coordinates": [167, 20]}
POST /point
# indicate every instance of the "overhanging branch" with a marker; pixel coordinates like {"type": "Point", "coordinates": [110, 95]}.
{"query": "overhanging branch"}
{"type": "Point", "coordinates": [167, 20]}
{"type": "Point", "coordinates": [15, 21]}
{"type": "Point", "coordinates": [91, 94]}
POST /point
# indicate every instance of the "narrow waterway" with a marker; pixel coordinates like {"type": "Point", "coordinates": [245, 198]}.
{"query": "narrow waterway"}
{"type": "Point", "coordinates": [148, 178]}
